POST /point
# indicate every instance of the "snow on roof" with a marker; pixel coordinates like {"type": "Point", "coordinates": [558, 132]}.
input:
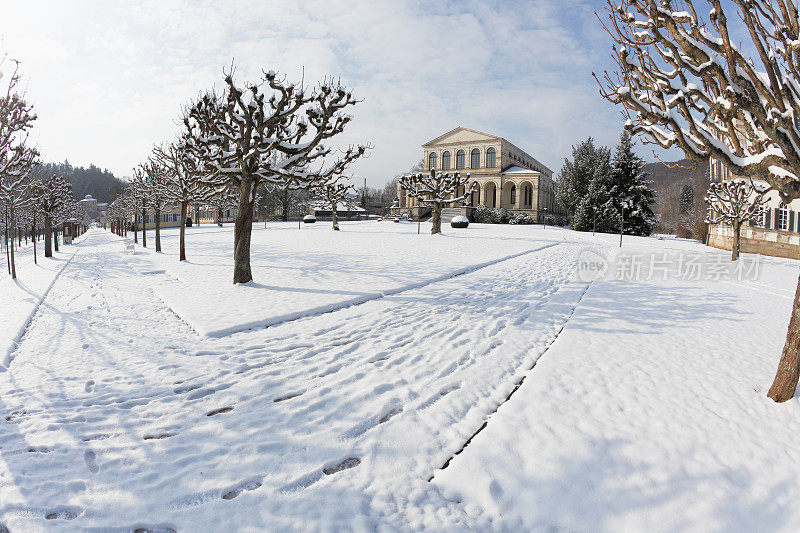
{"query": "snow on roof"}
{"type": "Point", "coordinates": [519, 170]}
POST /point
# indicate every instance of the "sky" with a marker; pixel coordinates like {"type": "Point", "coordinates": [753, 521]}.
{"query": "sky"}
{"type": "Point", "coordinates": [109, 79]}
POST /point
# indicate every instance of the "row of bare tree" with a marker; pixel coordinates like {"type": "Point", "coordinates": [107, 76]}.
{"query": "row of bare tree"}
{"type": "Point", "coordinates": [33, 203]}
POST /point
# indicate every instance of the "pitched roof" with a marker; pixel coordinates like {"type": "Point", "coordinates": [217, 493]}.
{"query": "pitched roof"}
{"type": "Point", "coordinates": [457, 129]}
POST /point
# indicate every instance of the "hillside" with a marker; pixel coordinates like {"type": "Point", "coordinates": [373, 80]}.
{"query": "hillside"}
{"type": "Point", "coordinates": [100, 183]}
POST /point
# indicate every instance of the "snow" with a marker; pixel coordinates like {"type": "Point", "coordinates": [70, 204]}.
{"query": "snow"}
{"type": "Point", "coordinates": [22, 297]}
{"type": "Point", "coordinates": [375, 259]}
{"type": "Point", "coordinates": [518, 170]}
{"type": "Point", "coordinates": [459, 219]}
{"type": "Point", "coordinates": [642, 406]}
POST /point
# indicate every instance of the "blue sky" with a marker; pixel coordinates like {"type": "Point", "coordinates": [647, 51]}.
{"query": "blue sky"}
{"type": "Point", "coordinates": [109, 78]}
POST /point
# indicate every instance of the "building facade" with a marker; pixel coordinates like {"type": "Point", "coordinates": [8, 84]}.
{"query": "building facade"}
{"type": "Point", "coordinates": [776, 231]}
{"type": "Point", "coordinates": [501, 174]}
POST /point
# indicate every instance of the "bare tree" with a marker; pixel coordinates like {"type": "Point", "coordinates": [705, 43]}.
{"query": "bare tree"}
{"type": "Point", "coordinates": [48, 195]}
{"type": "Point", "coordinates": [436, 189]}
{"type": "Point", "coordinates": [682, 82]}
{"type": "Point", "coordinates": [268, 133]}
{"type": "Point", "coordinates": [735, 202]}
{"type": "Point", "coordinates": [150, 180]}
{"type": "Point", "coordinates": [182, 180]}
{"type": "Point", "coordinates": [331, 194]}
{"type": "Point", "coordinates": [17, 160]}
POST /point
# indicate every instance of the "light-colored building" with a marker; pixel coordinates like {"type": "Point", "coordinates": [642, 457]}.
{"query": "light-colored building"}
{"type": "Point", "coordinates": [96, 211]}
{"type": "Point", "coordinates": [776, 231]}
{"type": "Point", "coordinates": [502, 175]}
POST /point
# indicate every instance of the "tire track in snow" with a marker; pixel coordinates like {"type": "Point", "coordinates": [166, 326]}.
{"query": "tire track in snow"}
{"type": "Point", "coordinates": [516, 386]}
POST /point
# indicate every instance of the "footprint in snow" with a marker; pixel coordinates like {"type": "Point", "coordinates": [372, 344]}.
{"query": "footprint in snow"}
{"type": "Point", "coordinates": [91, 461]}
{"type": "Point", "coordinates": [89, 387]}
{"type": "Point", "coordinates": [220, 411]}
{"type": "Point", "coordinates": [344, 464]}
{"type": "Point", "coordinates": [158, 436]}
{"type": "Point", "coordinates": [251, 484]}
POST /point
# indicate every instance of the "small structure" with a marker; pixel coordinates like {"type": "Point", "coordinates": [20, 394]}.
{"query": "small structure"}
{"type": "Point", "coordinates": [309, 219]}
{"type": "Point", "coordinates": [344, 211]}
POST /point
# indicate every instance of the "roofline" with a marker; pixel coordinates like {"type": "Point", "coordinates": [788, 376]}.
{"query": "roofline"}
{"type": "Point", "coordinates": [461, 128]}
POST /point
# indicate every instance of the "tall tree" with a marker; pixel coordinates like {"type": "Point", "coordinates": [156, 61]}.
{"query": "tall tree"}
{"type": "Point", "coordinates": [17, 160]}
{"type": "Point", "coordinates": [151, 179]}
{"type": "Point", "coordinates": [271, 132]}
{"type": "Point", "coordinates": [683, 82]}
{"type": "Point", "coordinates": [49, 194]}
{"type": "Point", "coordinates": [436, 189]}
{"type": "Point", "coordinates": [182, 179]}
{"type": "Point", "coordinates": [590, 164]}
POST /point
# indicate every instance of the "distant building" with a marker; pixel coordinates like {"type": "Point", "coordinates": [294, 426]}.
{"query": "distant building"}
{"type": "Point", "coordinates": [503, 174]}
{"type": "Point", "coordinates": [97, 211]}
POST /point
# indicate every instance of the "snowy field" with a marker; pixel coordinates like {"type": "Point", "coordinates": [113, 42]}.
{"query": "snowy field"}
{"type": "Point", "coordinates": [330, 393]}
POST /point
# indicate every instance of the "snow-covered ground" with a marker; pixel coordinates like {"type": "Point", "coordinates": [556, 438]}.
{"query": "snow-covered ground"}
{"type": "Point", "coordinates": [142, 396]}
{"type": "Point", "coordinates": [21, 297]}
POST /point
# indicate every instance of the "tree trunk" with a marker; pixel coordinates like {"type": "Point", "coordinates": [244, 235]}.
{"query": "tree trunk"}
{"type": "Point", "coordinates": [55, 240]}
{"type": "Point", "coordinates": [737, 241]}
{"type": "Point", "coordinates": [158, 230]}
{"type": "Point", "coordinates": [48, 236]}
{"type": "Point", "coordinates": [219, 217]}
{"type": "Point", "coordinates": [182, 243]}
{"type": "Point", "coordinates": [33, 239]}
{"type": "Point", "coordinates": [144, 229]}
{"type": "Point", "coordinates": [13, 228]}
{"type": "Point", "coordinates": [333, 216]}
{"type": "Point", "coordinates": [135, 228]}
{"type": "Point", "coordinates": [241, 233]}
{"type": "Point", "coordinates": [785, 382]}
{"type": "Point", "coordinates": [436, 219]}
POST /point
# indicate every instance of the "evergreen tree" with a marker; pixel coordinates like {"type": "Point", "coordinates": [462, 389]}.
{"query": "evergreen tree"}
{"type": "Point", "coordinates": [686, 201]}
{"type": "Point", "coordinates": [632, 189]}
{"type": "Point", "coordinates": [575, 192]}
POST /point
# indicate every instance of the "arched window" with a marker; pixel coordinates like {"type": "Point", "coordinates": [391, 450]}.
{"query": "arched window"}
{"type": "Point", "coordinates": [432, 161]}
{"type": "Point", "coordinates": [446, 161]}
{"type": "Point", "coordinates": [490, 155]}
{"type": "Point", "coordinates": [513, 194]}
{"type": "Point", "coordinates": [475, 158]}
{"type": "Point", "coordinates": [460, 156]}
{"type": "Point", "coordinates": [783, 217]}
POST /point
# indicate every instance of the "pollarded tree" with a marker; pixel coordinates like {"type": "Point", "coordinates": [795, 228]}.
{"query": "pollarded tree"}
{"type": "Point", "coordinates": [182, 181]}
{"type": "Point", "coordinates": [48, 195]}
{"type": "Point", "coordinates": [331, 194]}
{"type": "Point", "coordinates": [683, 82]}
{"type": "Point", "coordinates": [735, 202]}
{"type": "Point", "coordinates": [436, 189]}
{"type": "Point", "coordinates": [150, 179]}
{"type": "Point", "coordinates": [17, 160]}
{"type": "Point", "coordinates": [272, 132]}
{"type": "Point", "coordinates": [140, 199]}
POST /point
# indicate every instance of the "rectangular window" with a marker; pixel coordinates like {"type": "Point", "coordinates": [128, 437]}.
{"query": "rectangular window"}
{"type": "Point", "coordinates": [783, 217]}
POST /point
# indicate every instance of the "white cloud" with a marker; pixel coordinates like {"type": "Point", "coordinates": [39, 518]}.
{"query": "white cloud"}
{"type": "Point", "coordinates": [108, 80]}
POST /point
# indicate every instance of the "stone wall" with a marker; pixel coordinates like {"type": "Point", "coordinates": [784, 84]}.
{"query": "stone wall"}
{"type": "Point", "coordinates": [757, 241]}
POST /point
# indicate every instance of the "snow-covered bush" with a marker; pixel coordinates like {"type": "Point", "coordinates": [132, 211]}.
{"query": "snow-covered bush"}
{"type": "Point", "coordinates": [309, 219]}
{"type": "Point", "coordinates": [521, 219]}
{"type": "Point", "coordinates": [459, 221]}
{"type": "Point", "coordinates": [550, 220]}
{"type": "Point", "coordinates": [491, 215]}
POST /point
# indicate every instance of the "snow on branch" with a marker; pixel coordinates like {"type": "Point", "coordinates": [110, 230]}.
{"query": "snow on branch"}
{"type": "Point", "coordinates": [436, 187]}
{"type": "Point", "coordinates": [684, 83]}
{"type": "Point", "coordinates": [734, 202]}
